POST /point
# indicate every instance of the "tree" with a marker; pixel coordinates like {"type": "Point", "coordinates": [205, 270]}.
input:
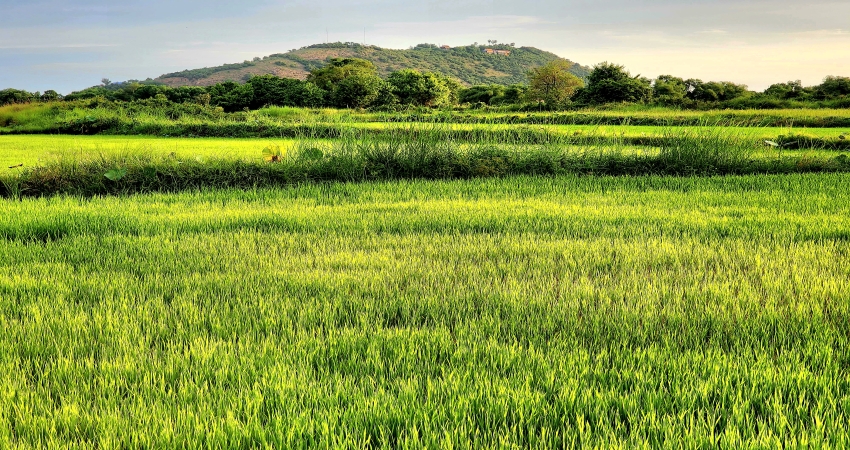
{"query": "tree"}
{"type": "Point", "coordinates": [231, 96]}
{"type": "Point", "coordinates": [422, 89]}
{"type": "Point", "coordinates": [338, 69]}
{"type": "Point", "coordinates": [669, 90]}
{"type": "Point", "coordinates": [191, 94]}
{"type": "Point", "coordinates": [792, 90]}
{"type": "Point", "coordinates": [311, 96]}
{"type": "Point", "coordinates": [481, 94]}
{"type": "Point", "coordinates": [611, 83]}
{"type": "Point", "coordinates": [514, 94]}
{"type": "Point", "coordinates": [714, 91]}
{"type": "Point", "coordinates": [833, 87]}
{"type": "Point", "coordinates": [50, 95]}
{"type": "Point", "coordinates": [8, 96]}
{"type": "Point", "coordinates": [141, 92]}
{"type": "Point", "coordinates": [273, 90]}
{"type": "Point", "coordinates": [386, 97]}
{"type": "Point", "coordinates": [349, 82]}
{"type": "Point", "coordinates": [553, 83]}
{"type": "Point", "coordinates": [357, 91]}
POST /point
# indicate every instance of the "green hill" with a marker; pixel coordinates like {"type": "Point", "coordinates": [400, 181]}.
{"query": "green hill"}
{"type": "Point", "coordinates": [469, 64]}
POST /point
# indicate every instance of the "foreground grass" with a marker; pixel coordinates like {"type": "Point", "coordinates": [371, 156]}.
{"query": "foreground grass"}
{"type": "Point", "coordinates": [542, 312]}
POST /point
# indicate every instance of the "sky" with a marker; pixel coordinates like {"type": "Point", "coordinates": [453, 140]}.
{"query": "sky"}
{"type": "Point", "coordinates": [68, 45]}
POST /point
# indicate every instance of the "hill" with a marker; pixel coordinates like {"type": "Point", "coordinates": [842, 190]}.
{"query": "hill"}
{"type": "Point", "coordinates": [469, 64]}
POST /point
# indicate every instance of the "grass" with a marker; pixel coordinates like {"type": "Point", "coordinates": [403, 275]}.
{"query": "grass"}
{"type": "Point", "coordinates": [34, 150]}
{"type": "Point", "coordinates": [568, 311]}
{"type": "Point", "coordinates": [341, 298]}
{"type": "Point", "coordinates": [196, 121]}
{"type": "Point", "coordinates": [361, 156]}
{"type": "Point", "coordinates": [655, 116]}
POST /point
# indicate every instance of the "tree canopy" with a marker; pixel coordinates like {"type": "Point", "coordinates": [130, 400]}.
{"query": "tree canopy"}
{"type": "Point", "coordinates": [611, 83]}
{"type": "Point", "coordinates": [415, 88]}
{"type": "Point", "coordinates": [553, 83]}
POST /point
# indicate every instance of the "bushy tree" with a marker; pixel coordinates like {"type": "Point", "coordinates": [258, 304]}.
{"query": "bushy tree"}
{"type": "Point", "coordinates": [833, 87]}
{"type": "Point", "coordinates": [714, 91]}
{"type": "Point", "coordinates": [92, 92]}
{"type": "Point", "coordinates": [553, 83]}
{"type": "Point", "coordinates": [348, 82]}
{"type": "Point", "coordinates": [339, 69]}
{"type": "Point", "coordinates": [386, 97]}
{"type": "Point", "coordinates": [50, 95]}
{"type": "Point", "coordinates": [143, 92]}
{"type": "Point", "coordinates": [231, 96]}
{"type": "Point", "coordinates": [453, 85]}
{"type": "Point", "coordinates": [514, 94]}
{"type": "Point", "coordinates": [273, 90]}
{"type": "Point", "coordinates": [481, 94]}
{"type": "Point", "coordinates": [792, 90]}
{"type": "Point", "coordinates": [421, 89]}
{"type": "Point", "coordinates": [611, 83]}
{"type": "Point", "coordinates": [669, 90]}
{"type": "Point", "coordinates": [308, 95]}
{"type": "Point", "coordinates": [8, 96]}
{"type": "Point", "coordinates": [190, 94]}
{"type": "Point", "coordinates": [359, 90]}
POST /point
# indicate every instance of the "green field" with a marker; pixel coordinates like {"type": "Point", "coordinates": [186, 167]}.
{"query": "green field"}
{"type": "Point", "coordinates": [510, 312]}
{"type": "Point", "coordinates": [40, 149]}
{"type": "Point", "coordinates": [34, 150]}
{"type": "Point", "coordinates": [390, 281]}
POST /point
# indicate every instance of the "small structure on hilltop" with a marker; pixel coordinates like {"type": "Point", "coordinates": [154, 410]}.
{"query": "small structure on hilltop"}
{"type": "Point", "coordinates": [446, 47]}
{"type": "Point", "coordinates": [491, 51]}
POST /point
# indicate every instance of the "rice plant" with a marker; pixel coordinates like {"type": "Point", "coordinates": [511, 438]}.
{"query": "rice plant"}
{"type": "Point", "coordinates": [545, 312]}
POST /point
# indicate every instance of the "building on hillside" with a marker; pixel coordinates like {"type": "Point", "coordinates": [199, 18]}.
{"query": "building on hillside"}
{"type": "Point", "coordinates": [491, 51]}
{"type": "Point", "coordinates": [446, 47]}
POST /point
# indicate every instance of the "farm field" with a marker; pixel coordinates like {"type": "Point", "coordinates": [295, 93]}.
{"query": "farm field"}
{"type": "Point", "coordinates": [618, 130]}
{"type": "Point", "coordinates": [520, 311]}
{"type": "Point", "coordinates": [39, 149]}
{"type": "Point", "coordinates": [365, 280]}
{"type": "Point", "coordinates": [825, 125]}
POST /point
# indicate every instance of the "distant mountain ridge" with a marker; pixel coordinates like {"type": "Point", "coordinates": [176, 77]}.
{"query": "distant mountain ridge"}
{"type": "Point", "coordinates": [473, 64]}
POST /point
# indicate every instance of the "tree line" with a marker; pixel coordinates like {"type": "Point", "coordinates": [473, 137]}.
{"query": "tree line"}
{"type": "Point", "coordinates": [355, 83]}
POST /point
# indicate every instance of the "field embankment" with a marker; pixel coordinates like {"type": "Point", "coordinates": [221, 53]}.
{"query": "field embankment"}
{"type": "Point", "coordinates": [827, 129]}
{"type": "Point", "coordinates": [432, 153]}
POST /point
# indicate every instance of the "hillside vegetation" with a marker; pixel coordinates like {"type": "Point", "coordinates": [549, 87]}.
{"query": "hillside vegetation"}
{"type": "Point", "coordinates": [469, 64]}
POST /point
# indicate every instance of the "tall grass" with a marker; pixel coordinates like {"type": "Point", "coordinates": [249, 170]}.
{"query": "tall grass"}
{"type": "Point", "coordinates": [197, 121]}
{"type": "Point", "coordinates": [431, 151]}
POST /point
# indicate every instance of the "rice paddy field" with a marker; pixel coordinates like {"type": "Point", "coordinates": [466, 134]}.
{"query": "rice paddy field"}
{"type": "Point", "coordinates": [488, 310]}
{"type": "Point", "coordinates": [33, 150]}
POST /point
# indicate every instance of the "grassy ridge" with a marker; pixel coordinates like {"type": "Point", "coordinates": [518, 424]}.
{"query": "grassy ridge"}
{"type": "Point", "coordinates": [33, 150]}
{"type": "Point", "coordinates": [556, 312]}
{"type": "Point", "coordinates": [824, 127]}
{"type": "Point", "coordinates": [403, 155]}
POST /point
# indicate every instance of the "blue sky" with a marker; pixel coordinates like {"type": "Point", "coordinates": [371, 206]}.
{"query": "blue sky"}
{"type": "Point", "coordinates": [70, 45]}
